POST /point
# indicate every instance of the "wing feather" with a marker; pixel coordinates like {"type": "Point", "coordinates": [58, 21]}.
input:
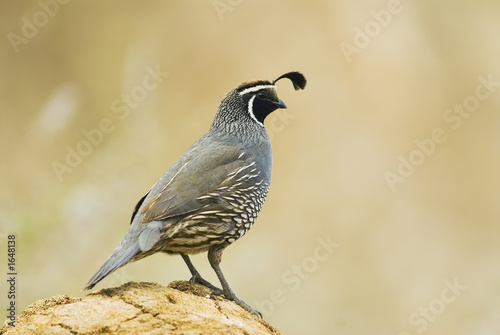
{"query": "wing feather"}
{"type": "Point", "coordinates": [183, 193]}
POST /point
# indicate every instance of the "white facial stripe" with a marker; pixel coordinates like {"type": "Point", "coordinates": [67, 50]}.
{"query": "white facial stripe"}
{"type": "Point", "coordinates": [256, 88]}
{"type": "Point", "coordinates": [250, 110]}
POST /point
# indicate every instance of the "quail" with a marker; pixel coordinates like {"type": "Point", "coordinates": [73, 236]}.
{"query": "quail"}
{"type": "Point", "coordinates": [211, 196]}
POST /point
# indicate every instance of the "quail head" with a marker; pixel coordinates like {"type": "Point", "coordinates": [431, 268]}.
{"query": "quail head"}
{"type": "Point", "coordinates": [211, 196]}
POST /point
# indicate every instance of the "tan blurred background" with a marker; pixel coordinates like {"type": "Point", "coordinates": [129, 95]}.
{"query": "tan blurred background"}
{"type": "Point", "coordinates": [409, 257]}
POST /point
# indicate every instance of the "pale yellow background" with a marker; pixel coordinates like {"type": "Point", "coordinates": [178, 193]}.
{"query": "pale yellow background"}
{"type": "Point", "coordinates": [332, 149]}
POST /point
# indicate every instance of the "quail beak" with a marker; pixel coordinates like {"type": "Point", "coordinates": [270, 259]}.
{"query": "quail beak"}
{"type": "Point", "coordinates": [280, 104]}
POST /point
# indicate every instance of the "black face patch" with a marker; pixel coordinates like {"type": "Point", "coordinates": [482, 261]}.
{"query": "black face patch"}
{"type": "Point", "coordinates": [262, 102]}
{"type": "Point", "coordinates": [266, 94]}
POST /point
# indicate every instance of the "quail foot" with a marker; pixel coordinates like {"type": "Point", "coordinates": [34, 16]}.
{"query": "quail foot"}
{"type": "Point", "coordinates": [212, 195]}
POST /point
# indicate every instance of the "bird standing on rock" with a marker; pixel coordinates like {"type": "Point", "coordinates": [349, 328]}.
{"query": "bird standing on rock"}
{"type": "Point", "coordinates": [211, 196]}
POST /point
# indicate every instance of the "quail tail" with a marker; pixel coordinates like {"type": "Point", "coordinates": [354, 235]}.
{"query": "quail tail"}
{"type": "Point", "coordinates": [121, 256]}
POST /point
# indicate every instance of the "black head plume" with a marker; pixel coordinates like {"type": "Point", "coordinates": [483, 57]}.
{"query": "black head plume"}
{"type": "Point", "coordinates": [298, 80]}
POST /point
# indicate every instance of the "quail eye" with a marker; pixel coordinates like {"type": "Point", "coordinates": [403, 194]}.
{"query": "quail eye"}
{"type": "Point", "coordinates": [261, 95]}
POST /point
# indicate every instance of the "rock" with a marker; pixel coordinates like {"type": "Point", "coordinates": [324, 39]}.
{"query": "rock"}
{"type": "Point", "coordinates": [139, 308]}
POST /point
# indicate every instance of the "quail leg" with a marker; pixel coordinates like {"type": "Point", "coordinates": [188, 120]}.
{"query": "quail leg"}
{"type": "Point", "coordinates": [214, 257]}
{"type": "Point", "coordinates": [196, 277]}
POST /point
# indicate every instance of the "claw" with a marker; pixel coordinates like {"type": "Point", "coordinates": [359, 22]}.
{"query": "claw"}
{"type": "Point", "coordinates": [231, 296]}
{"type": "Point", "coordinates": [217, 292]}
{"type": "Point", "coordinates": [198, 279]}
